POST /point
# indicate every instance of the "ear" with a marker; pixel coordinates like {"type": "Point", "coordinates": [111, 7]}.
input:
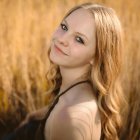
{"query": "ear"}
{"type": "Point", "coordinates": [91, 62]}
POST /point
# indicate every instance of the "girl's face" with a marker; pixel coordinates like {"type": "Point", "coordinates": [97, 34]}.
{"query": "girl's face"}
{"type": "Point", "coordinates": [73, 42]}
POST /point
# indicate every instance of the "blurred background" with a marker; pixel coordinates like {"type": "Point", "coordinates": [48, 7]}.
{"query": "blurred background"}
{"type": "Point", "coordinates": [26, 27]}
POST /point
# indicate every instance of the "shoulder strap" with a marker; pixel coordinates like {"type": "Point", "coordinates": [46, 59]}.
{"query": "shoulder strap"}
{"type": "Point", "coordinates": [40, 130]}
{"type": "Point", "coordinates": [57, 98]}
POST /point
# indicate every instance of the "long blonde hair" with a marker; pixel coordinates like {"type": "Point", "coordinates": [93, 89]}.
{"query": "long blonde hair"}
{"type": "Point", "coordinates": [104, 74]}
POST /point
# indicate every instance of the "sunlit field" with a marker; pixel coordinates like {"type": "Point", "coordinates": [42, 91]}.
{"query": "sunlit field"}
{"type": "Point", "coordinates": [26, 27]}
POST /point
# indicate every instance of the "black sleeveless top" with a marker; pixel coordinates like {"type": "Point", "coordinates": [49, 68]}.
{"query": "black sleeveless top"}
{"type": "Point", "coordinates": [34, 129]}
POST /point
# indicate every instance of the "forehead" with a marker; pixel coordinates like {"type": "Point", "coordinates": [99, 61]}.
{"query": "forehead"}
{"type": "Point", "coordinates": [82, 20]}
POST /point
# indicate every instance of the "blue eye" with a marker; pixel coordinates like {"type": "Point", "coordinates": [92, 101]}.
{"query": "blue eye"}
{"type": "Point", "coordinates": [80, 40]}
{"type": "Point", "coordinates": [63, 27]}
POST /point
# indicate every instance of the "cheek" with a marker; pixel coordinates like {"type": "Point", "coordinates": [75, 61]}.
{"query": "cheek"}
{"type": "Point", "coordinates": [57, 33]}
{"type": "Point", "coordinates": [78, 53]}
{"type": "Point", "coordinates": [82, 54]}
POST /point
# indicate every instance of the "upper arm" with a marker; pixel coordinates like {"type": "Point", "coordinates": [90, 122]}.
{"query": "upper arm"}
{"type": "Point", "coordinates": [77, 123]}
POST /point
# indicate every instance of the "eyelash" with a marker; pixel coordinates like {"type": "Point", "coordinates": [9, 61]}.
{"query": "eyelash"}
{"type": "Point", "coordinates": [64, 27]}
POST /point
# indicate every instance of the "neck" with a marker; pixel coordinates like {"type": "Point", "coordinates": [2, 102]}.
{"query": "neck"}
{"type": "Point", "coordinates": [71, 76]}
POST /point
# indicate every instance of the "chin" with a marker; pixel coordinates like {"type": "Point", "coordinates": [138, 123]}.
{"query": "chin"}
{"type": "Point", "coordinates": [54, 59]}
{"type": "Point", "coordinates": [58, 60]}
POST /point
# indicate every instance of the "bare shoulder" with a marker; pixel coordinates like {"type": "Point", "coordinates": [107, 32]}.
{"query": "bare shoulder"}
{"type": "Point", "coordinates": [86, 112]}
{"type": "Point", "coordinates": [78, 122]}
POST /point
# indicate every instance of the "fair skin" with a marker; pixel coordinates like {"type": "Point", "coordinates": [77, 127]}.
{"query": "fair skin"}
{"type": "Point", "coordinates": [76, 115]}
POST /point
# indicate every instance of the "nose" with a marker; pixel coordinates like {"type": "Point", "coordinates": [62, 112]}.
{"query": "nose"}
{"type": "Point", "coordinates": [63, 40]}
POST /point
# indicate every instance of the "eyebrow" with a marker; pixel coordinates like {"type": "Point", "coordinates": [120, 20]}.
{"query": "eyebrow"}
{"type": "Point", "coordinates": [76, 32]}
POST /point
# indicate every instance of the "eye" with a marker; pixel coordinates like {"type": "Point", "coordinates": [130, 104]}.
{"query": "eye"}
{"type": "Point", "coordinates": [80, 40]}
{"type": "Point", "coordinates": [63, 27]}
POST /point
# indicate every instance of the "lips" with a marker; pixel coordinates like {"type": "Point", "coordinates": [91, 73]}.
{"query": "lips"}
{"type": "Point", "coordinates": [56, 47]}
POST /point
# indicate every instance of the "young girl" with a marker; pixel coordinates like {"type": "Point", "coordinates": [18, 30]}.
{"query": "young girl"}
{"type": "Point", "coordinates": [85, 61]}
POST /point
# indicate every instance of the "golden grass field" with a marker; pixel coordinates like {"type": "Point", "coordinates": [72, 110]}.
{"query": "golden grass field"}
{"type": "Point", "coordinates": [25, 31]}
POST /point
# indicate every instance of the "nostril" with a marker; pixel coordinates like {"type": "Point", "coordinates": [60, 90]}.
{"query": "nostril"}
{"type": "Point", "coordinates": [63, 42]}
